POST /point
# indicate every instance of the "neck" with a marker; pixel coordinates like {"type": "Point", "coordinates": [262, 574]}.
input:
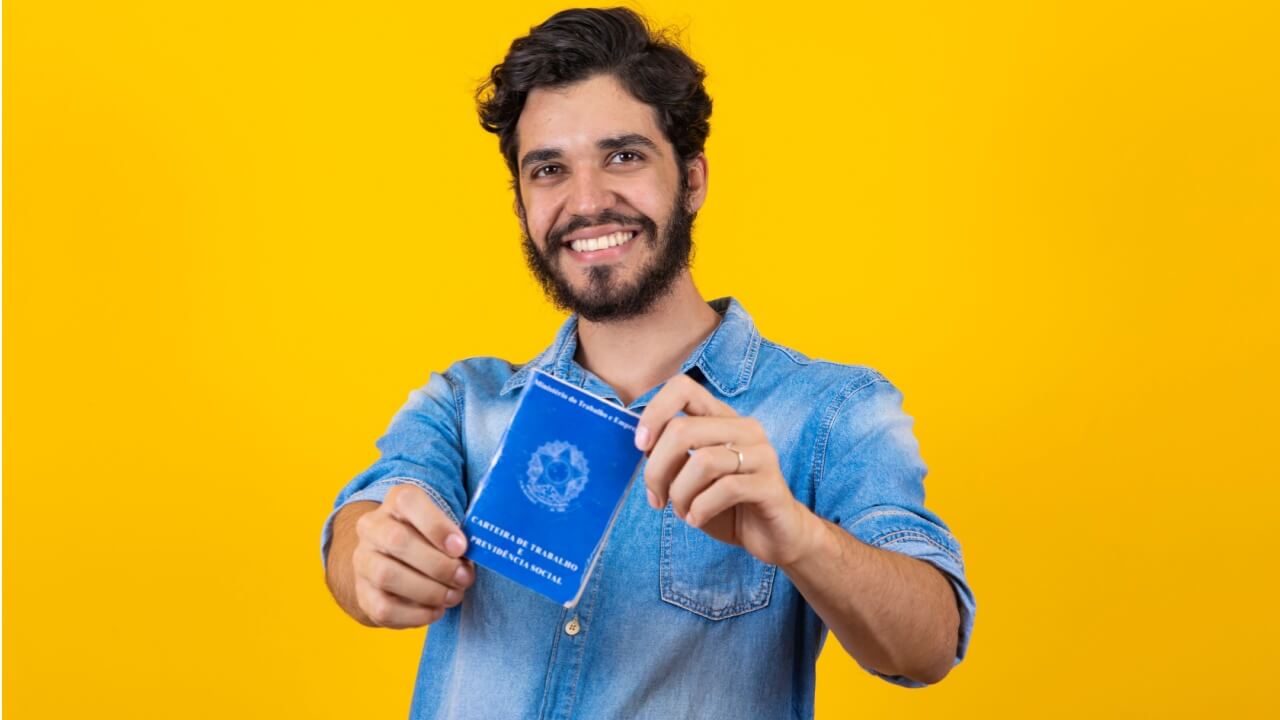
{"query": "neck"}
{"type": "Point", "coordinates": [640, 353]}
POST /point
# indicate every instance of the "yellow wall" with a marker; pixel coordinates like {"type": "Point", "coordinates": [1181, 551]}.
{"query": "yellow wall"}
{"type": "Point", "coordinates": [238, 233]}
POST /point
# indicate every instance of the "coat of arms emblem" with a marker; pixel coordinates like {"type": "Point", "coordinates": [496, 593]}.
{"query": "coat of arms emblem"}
{"type": "Point", "coordinates": [557, 474]}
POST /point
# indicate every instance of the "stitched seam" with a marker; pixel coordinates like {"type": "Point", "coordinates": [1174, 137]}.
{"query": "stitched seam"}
{"type": "Point", "coordinates": [457, 417]}
{"type": "Point", "coordinates": [828, 422]}
{"type": "Point", "coordinates": [801, 359]}
{"type": "Point", "coordinates": [881, 513]}
{"type": "Point", "coordinates": [564, 358]}
{"type": "Point", "coordinates": [443, 504]}
{"type": "Point", "coordinates": [685, 603]}
{"type": "Point", "coordinates": [706, 349]}
{"type": "Point", "coordinates": [895, 536]}
{"type": "Point", "coordinates": [759, 598]}
{"type": "Point", "coordinates": [516, 380]}
{"type": "Point", "coordinates": [547, 694]}
{"type": "Point", "coordinates": [436, 497]}
{"type": "Point", "coordinates": [744, 372]}
{"type": "Point", "coordinates": [664, 565]}
{"type": "Point", "coordinates": [788, 352]}
{"type": "Point", "coordinates": [749, 363]}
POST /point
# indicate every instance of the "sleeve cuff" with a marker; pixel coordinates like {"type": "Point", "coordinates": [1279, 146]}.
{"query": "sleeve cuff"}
{"type": "Point", "coordinates": [905, 532]}
{"type": "Point", "coordinates": [377, 492]}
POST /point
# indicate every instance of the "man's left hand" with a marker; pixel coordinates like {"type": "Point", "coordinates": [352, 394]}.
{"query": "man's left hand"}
{"type": "Point", "coordinates": [747, 504]}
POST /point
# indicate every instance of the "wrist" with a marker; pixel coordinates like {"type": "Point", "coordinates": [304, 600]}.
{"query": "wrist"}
{"type": "Point", "coordinates": [811, 540]}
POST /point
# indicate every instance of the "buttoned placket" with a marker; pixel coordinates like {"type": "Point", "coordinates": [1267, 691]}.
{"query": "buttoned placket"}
{"type": "Point", "coordinates": [574, 629]}
{"type": "Point", "coordinates": [564, 669]}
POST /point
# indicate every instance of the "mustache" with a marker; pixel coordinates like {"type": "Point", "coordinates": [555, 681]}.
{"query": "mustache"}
{"type": "Point", "coordinates": [606, 217]}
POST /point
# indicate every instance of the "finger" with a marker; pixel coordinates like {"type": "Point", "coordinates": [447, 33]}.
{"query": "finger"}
{"type": "Point", "coordinates": [401, 541]}
{"type": "Point", "coordinates": [703, 468]}
{"type": "Point", "coordinates": [721, 495]}
{"type": "Point", "coordinates": [389, 611]}
{"type": "Point", "coordinates": [392, 576]}
{"type": "Point", "coordinates": [465, 575]}
{"type": "Point", "coordinates": [684, 434]}
{"type": "Point", "coordinates": [680, 394]}
{"type": "Point", "coordinates": [411, 504]}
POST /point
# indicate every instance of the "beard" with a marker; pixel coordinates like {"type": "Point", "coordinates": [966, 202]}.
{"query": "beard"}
{"type": "Point", "coordinates": [607, 296]}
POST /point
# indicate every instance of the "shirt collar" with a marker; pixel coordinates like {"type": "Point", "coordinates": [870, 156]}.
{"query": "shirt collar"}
{"type": "Point", "coordinates": [726, 357]}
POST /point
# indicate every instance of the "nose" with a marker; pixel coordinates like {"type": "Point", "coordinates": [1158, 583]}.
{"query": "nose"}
{"type": "Point", "coordinates": [589, 193]}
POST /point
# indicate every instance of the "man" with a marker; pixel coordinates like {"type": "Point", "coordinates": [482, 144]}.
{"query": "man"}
{"type": "Point", "coordinates": [799, 509]}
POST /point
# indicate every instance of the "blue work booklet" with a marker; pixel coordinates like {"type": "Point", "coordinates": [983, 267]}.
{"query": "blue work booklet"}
{"type": "Point", "coordinates": [543, 510]}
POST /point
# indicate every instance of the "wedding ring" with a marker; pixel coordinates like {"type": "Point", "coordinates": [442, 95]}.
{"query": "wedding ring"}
{"type": "Point", "coordinates": [731, 447]}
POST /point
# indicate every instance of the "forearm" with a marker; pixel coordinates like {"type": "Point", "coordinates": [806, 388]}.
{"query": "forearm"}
{"type": "Point", "coordinates": [893, 613]}
{"type": "Point", "coordinates": [340, 571]}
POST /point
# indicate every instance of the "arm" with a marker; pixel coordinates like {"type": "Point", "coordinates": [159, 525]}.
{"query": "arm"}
{"type": "Point", "coordinates": [398, 563]}
{"type": "Point", "coordinates": [385, 546]}
{"type": "Point", "coordinates": [894, 613]}
{"type": "Point", "coordinates": [891, 612]}
{"type": "Point", "coordinates": [340, 571]}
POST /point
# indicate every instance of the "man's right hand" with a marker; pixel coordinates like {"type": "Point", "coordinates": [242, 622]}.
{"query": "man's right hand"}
{"type": "Point", "coordinates": [408, 562]}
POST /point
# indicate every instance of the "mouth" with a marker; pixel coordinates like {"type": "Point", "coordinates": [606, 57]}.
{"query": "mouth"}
{"type": "Point", "coordinates": [610, 245]}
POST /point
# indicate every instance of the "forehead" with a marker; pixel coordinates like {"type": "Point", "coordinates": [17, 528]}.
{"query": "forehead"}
{"type": "Point", "coordinates": [578, 115]}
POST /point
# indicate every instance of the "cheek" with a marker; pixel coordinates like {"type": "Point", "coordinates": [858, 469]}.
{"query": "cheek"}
{"type": "Point", "coordinates": [537, 221]}
{"type": "Point", "coordinates": [656, 206]}
{"type": "Point", "coordinates": [654, 199]}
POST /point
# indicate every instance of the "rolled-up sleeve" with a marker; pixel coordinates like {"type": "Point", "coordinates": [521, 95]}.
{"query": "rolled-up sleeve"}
{"type": "Point", "coordinates": [872, 484]}
{"type": "Point", "coordinates": [423, 447]}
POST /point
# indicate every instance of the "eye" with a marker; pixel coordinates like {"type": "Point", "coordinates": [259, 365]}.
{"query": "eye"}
{"type": "Point", "coordinates": [627, 156]}
{"type": "Point", "coordinates": [546, 171]}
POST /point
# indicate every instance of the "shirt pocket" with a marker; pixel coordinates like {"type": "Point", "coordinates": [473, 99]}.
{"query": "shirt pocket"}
{"type": "Point", "coordinates": [707, 577]}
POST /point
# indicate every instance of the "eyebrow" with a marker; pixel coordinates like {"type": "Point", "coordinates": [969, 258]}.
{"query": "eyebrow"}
{"type": "Point", "coordinates": [617, 142]}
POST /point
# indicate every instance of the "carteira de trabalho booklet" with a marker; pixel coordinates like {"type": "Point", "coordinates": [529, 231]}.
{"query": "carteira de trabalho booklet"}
{"type": "Point", "coordinates": [562, 469]}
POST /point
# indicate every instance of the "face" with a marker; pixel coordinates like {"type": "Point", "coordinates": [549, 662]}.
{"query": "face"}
{"type": "Point", "coordinates": [606, 208]}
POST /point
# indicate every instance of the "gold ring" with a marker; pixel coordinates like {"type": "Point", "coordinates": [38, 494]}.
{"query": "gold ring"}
{"type": "Point", "coordinates": [740, 458]}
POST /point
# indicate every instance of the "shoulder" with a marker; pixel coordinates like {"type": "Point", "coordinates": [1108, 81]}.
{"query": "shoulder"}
{"type": "Point", "coordinates": [821, 395]}
{"type": "Point", "coordinates": [480, 375]}
{"type": "Point", "coordinates": [790, 370]}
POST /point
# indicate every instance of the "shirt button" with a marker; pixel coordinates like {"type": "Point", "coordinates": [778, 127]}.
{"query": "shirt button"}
{"type": "Point", "coordinates": [572, 627]}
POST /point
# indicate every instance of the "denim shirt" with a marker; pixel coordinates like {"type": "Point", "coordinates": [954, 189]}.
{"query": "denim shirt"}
{"type": "Point", "coordinates": [672, 623]}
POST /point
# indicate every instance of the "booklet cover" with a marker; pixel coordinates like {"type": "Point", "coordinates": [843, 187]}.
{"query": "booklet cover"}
{"type": "Point", "coordinates": [562, 469]}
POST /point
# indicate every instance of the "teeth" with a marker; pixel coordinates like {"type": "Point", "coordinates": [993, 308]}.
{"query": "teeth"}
{"type": "Point", "coordinates": [600, 243]}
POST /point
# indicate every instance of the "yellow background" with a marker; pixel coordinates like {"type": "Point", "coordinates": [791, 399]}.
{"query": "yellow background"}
{"type": "Point", "coordinates": [238, 233]}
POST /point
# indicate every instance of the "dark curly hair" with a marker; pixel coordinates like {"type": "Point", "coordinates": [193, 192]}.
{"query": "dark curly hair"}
{"type": "Point", "coordinates": [573, 45]}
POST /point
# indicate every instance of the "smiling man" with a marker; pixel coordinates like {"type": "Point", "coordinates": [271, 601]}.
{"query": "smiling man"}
{"type": "Point", "coordinates": [782, 495]}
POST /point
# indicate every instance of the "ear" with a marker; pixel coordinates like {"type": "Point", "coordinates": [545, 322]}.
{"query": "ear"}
{"type": "Point", "coordinates": [517, 203]}
{"type": "Point", "coordinates": [696, 172]}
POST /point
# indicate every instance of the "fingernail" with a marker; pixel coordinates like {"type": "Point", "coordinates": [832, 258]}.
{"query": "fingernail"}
{"type": "Point", "coordinates": [455, 545]}
{"type": "Point", "coordinates": [452, 597]}
{"type": "Point", "coordinates": [461, 575]}
{"type": "Point", "coordinates": [691, 519]}
{"type": "Point", "coordinates": [653, 499]}
{"type": "Point", "coordinates": [642, 437]}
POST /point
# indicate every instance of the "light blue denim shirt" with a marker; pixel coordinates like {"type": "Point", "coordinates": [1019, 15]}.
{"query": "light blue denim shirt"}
{"type": "Point", "coordinates": [672, 623]}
